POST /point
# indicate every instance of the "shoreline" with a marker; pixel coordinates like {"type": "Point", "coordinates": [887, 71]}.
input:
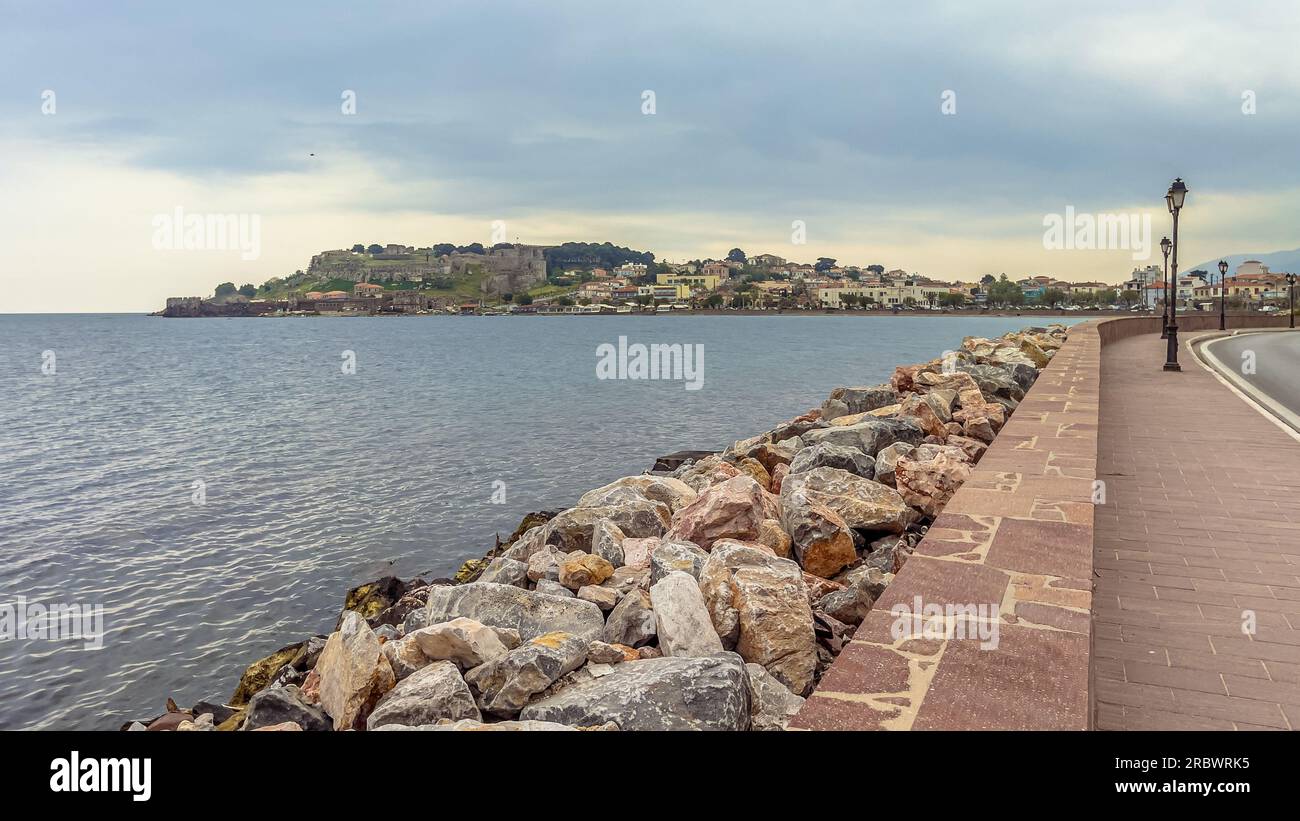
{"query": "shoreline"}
{"type": "Point", "coordinates": [654, 583]}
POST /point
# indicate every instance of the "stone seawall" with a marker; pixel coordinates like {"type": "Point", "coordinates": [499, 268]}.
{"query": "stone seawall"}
{"type": "Point", "coordinates": [1016, 540]}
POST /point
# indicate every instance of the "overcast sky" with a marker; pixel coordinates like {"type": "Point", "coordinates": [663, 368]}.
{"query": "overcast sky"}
{"type": "Point", "coordinates": [532, 113]}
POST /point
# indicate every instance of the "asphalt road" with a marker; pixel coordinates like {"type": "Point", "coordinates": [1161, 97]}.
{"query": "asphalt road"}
{"type": "Point", "coordinates": [1276, 374]}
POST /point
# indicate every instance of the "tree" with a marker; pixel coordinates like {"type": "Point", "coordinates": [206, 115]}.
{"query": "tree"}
{"type": "Point", "coordinates": [525, 299]}
{"type": "Point", "coordinates": [988, 279]}
{"type": "Point", "coordinates": [1129, 298]}
{"type": "Point", "coordinates": [507, 297]}
{"type": "Point", "coordinates": [824, 264]}
{"type": "Point", "coordinates": [737, 255]}
{"type": "Point", "coordinates": [225, 289]}
{"type": "Point", "coordinates": [375, 248]}
{"type": "Point", "coordinates": [565, 301]}
{"type": "Point", "coordinates": [1004, 293]}
{"type": "Point", "coordinates": [952, 300]}
{"type": "Point", "coordinates": [443, 248]}
{"type": "Point", "coordinates": [472, 248]}
{"type": "Point", "coordinates": [248, 289]}
{"type": "Point", "coordinates": [714, 301]}
{"type": "Point", "coordinates": [1053, 297]}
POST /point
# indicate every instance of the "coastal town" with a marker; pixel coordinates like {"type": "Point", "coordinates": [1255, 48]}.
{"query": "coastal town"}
{"type": "Point", "coordinates": [582, 278]}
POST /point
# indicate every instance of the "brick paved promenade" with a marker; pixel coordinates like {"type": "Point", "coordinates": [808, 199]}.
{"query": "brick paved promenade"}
{"type": "Point", "coordinates": [1201, 522]}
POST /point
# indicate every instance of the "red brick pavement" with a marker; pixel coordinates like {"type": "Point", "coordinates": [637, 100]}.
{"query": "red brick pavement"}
{"type": "Point", "coordinates": [1200, 529]}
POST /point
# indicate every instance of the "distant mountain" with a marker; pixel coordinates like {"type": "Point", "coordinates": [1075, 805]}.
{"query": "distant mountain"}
{"type": "Point", "coordinates": [1278, 261]}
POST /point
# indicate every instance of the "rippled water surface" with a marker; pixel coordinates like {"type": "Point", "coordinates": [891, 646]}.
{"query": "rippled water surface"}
{"type": "Point", "coordinates": [316, 480]}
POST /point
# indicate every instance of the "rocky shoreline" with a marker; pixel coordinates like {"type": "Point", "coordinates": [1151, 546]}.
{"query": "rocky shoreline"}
{"type": "Point", "coordinates": [709, 596]}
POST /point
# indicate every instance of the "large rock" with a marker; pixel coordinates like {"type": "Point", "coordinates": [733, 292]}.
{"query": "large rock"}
{"type": "Point", "coordinates": [845, 401]}
{"type": "Point", "coordinates": [464, 641]}
{"type": "Point", "coordinates": [354, 674]}
{"type": "Point", "coordinates": [632, 621]}
{"type": "Point", "coordinates": [994, 381]}
{"type": "Point", "coordinates": [432, 693]}
{"type": "Point", "coordinates": [670, 556]}
{"type": "Point", "coordinates": [262, 672]}
{"type": "Point", "coordinates": [771, 704]}
{"type": "Point", "coordinates": [523, 548]}
{"type": "Point", "coordinates": [529, 612]}
{"type": "Point", "coordinates": [869, 436]}
{"type": "Point", "coordinates": [835, 456]}
{"type": "Point", "coordinates": [730, 510]}
{"type": "Point", "coordinates": [681, 617]}
{"type": "Point", "coordinates": [506, 571]}
{"type": "Point", "coordinates": [928, 484]}
{"type": "Point", "coordinates": [861, 503]}
{"type": "Point", "coordinates": [506, 685]}
{"type": "Point", "coordinates": [607, 542]}
{"type": "Point", "coordinates": [276, 705]}
{"type": "Point", "coordinates": [469, 725]}
{"type": "Point", "coordinates": [572, 529]}
{"type": "Point", "coordinates": [854, 601]}
{"type": "Point", "coordinates": [887, 460]}
{"type": "Point", "coordinates": [822, 541]}
{"type": "Point", "coordinates": [663, 489]}
{"type": "Point", "coordinates": [372, 598]}
{"type": "Point", "coordinates": [404, 656]}
{"type": "Point", "coordinates": [759, 605]}
{"type": "Point", "coordinates": [708, 693]}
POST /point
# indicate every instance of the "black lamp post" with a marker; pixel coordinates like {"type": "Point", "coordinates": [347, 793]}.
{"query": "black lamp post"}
{"type": "Point", "coordinates": [1174, 199]}
{"type": "Point", "coordinates": [1290, 287]}
{"type": "Point", "coordinates": [1165, 245]}
{"type": "Point", "coordinates": [1223, 295]}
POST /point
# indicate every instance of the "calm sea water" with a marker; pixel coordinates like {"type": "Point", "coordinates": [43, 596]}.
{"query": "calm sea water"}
{"type": "Point", "coordinates": [316, 480]}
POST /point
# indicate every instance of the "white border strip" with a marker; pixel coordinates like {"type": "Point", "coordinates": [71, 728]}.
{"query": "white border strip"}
{"type": "Point", "coordinates": [1199, 347]}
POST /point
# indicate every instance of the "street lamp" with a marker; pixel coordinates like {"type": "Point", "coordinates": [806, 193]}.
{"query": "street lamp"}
{"type": "Point", "coordinates": [1174, 199]}
{"type": "Point", "coordinates": [1222, 294]}
{"type": "Point", "coordinates": [1290, 287]}
{"type": "Point", "coordinates": [1165, 245]}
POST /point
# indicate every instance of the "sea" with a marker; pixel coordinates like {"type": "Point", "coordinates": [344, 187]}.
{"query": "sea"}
{"type": "Point", "coordinates": [211, 488]}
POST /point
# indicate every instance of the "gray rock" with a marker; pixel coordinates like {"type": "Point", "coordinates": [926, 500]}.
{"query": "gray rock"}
{"type": "Point", "coordinates": [835, 456]}
{"type": "Point", "coordinates": [506, 571]}
{"type": "Point", "coordinates": [848, 401]}
{"type": "Point", "coordinates": [573, 529]}
{"type": "Point", "coordinates": [607, 542]}
{"type": "Point", "coordinates": [470, 725]}
{"type": "Point", "coordinates": [887, 461]}
{"type": "Point", "coordinates": [676, 555]}
{"type": "Point", "coordinates": [276, 705]}
{"type": "Point", "coordinates": [434, 692]}
{"type": "Point", "coordinates": [632, 621]}
{"type": "Point", "coordinates": [995, 382]}
{"type": "Point", "coordinates": [681, 618]}
{"type": "Point", "coordinates": [862, 586]}
{"type": "Point", "coordinates": [886, 554]}
{"type": "Point", "coordinates": [506, 685]}
{"type": "Point", "coordinates": [710, 693]}
{"type": "Point", "coordinates": [526, 545]}
{"type": "Point", "coordinates": [553, 588]}
{"type": "Point", "coordinates": [545, 564]}
{"type": "Point", "coordinates": [869, 435]}
{"type": "Point", "coordinates": [771, 704]}
{"type": "Point", "coordinates": [531, 613]}
{"type": "Point", "coordinates": [464, 641]}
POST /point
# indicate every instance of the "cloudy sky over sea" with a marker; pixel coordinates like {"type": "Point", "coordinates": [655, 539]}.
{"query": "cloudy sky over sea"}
{"type": "Point", "coordinates": [533, 113]}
